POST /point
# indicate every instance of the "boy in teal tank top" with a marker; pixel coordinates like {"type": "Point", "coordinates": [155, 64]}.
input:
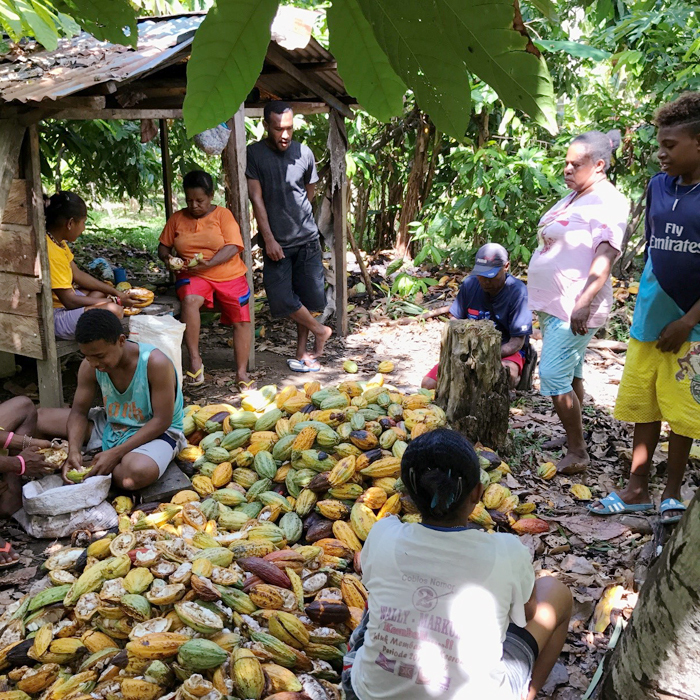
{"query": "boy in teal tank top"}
{"type": "Point", "coordinates": [139, 427]}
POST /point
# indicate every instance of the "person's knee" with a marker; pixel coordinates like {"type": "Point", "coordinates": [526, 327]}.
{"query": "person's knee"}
{"type": "Point", "coordinates": [131, 474]}
{"type": "Point", "coordinates": [117, 310]}
{"type": "Point", "coordinates": [552, 592]}
{"type": "Point", "coordinates": [428, 383]}
{"type": "Point", "coordinates": [23, 407]}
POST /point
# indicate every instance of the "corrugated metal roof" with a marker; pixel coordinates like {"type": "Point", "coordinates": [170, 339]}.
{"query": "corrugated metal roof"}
{"type": "Point", "coordinates": [83, 61]}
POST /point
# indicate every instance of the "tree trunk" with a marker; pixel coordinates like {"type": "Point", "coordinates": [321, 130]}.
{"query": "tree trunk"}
{"type": "Point", "coordinates": [472, 383]}
{"type": "Point", "coordinates": [658, 656]}
{"type": "Point", "coordinates": [414, 188]}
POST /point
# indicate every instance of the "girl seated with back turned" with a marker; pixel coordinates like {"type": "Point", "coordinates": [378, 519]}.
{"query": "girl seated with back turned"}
{"type": "Point", "coordinates": [453, 611]}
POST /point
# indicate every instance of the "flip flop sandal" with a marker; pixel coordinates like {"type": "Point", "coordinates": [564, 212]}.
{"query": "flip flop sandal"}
{"type": "Point", "coordinates": [196, 378]}
{"type": "Point", "coordinates": [246, 386]}
{"type": "Point", "coordinates": [313, 369]}
{"type": "Point", "coordinates": [670, 504]}
{"type": "Point", "coordinates": [614, 505]}
{"type": "Point", "coordinates": [6, 550]}
{"type": "Point", "coordinates": [297, 365]}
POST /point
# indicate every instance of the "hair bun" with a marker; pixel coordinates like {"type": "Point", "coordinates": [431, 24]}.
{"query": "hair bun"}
{"type": "Point", "coordinates": [615, 136]}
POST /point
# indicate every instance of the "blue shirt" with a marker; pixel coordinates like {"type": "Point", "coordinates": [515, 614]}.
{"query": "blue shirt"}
{"type": "Point", "coordinates": [129, 411]}
{"type": "Point", "coordinates": [670, 284]}
{"type": "Point", "coordinates": [513, 317]}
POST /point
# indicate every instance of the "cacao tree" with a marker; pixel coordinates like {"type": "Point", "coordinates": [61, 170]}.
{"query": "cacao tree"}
{"type": "Point", "coordinates": [658, 655]}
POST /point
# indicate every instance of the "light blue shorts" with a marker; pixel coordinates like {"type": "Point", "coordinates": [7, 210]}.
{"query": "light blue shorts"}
{"type": "Point", "coordinates": [562, 355]}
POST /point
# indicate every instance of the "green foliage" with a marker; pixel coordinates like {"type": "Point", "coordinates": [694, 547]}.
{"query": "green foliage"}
{"type": "Point", "coordinates": [227, 54]}
{"type": "Point", "coordinates": [364, 66]}
{"type": "Point", "coordinates": [406, 285]}
{"type": "Point", "coordinates": [43, 20]}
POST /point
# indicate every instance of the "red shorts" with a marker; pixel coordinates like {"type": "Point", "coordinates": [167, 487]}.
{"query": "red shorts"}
{"type": "Point", "coordinates": [232, 296]}
{"type": "Point", "coordinates": [518, 358]}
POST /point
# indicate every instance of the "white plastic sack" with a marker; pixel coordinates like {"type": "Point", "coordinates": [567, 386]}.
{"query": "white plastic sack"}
{"type": "Point", "coordinates": [50, 496]}
{"type": "Point", "coordinates": [213, 141]}
{"type": "Point", "coordinates": [165, 332]}
{"type": "Point", "coordinates": [101, 517]}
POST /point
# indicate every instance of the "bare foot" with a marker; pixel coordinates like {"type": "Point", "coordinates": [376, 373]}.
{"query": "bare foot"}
{"type": "Point", "coordinates": [321, 339]}
{"type": "Point", "coordinates": [573, 463]}
{"type": "Point", "coordinates": [310, 361]}
{"type": "Point", "coordinates": [8, 556]}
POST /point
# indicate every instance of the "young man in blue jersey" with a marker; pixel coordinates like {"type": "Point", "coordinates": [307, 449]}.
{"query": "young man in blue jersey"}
{"type": "Point", "coordinates": [661, 381]}
{"type": "Point", "coordinates": [491, 292]}
{"type": "Point", "coordinates": [138, 429]}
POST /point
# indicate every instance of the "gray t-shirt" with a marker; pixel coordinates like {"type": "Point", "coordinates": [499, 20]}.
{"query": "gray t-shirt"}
{"type": "Point", "coordinates": [283, 177]}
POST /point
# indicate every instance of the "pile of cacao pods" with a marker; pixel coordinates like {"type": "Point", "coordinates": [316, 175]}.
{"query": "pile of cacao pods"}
{"type": "Point", "coordinates": [247, 585]}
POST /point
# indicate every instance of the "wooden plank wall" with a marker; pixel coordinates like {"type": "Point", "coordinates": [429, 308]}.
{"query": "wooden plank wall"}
{"type": "Point", "coordinates": [21, 327]}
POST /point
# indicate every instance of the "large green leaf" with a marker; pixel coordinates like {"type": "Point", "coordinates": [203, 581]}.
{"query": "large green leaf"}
{"type": "Point", "coordinates": [484, 34]}
{"type": "Point", "coordinates": [10, 20]}
{"type": "Point", "coordinates": [547, 8]}
{"type": "Point", "coordinates": [107, 20]}
{"type": "Point", "coordinates": [363, 65]}
{"type": "Point", "coordinates": [39, 22]}
{"type": "Point", "coordinates": [409, 32]}
{"type": "Point", "coordinates": [573, 48]}
{"type": "Point", "coordinates": [227, 55]}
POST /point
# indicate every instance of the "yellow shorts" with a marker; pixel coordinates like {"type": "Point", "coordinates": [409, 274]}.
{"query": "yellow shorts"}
{"type": "Point", "coordinates": [661, 386]}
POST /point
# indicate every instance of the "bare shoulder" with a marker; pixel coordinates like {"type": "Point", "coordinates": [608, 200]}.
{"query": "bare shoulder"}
{"type": "Point", "coordinates": [159, 363]}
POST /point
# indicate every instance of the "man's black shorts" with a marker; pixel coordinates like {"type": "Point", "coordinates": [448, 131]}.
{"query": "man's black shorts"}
{"type": "Point", "coordinates": [296, 280]}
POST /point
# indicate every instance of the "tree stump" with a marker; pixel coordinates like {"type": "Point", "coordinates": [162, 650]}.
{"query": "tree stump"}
{"type": "Point", "coordinates": [472, 383]}
{"type": "Point", "coordinates": [658, 655]}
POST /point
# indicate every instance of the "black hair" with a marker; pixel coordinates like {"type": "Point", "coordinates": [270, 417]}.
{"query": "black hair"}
{"type": "Point", "coordinates": [440, 469]}
{"type": "Point", "coordinates": [62, 207]}
{"type": "Point", "coordinates": [275, 107]}
{"type": "Point", "coordinates": [600, 146]}
{"type": "Point", "coordinates": [198, 179]}
{"type": "Point", "coordinates": [98, 324]}
{"type": "Point", "coordinates": [683, 111]}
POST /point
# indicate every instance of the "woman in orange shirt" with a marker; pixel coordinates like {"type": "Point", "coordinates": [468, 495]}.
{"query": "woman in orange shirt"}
{"type": "Point", "coordinates": [208, 240]}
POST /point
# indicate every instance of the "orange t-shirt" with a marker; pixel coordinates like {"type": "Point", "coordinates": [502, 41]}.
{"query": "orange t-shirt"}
{"type": "Point", "coordinates": [207, 236]}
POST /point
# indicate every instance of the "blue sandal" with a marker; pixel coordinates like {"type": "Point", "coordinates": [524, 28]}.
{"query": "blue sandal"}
{"type": "Point", "coordinates": [614, 505]}
{"type": "Point", "coordinates": [670, 504]}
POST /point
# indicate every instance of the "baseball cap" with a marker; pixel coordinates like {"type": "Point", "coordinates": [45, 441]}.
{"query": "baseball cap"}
{"type": "Point", "coordinates": [490, 258]}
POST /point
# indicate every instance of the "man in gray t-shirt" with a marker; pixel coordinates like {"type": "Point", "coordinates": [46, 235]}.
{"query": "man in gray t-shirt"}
{"type": "Point", "coordinates": [281, 176]}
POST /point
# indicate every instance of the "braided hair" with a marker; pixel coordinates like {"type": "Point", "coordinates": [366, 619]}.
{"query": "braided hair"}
{"type": "Point", "coordinates": [440, 469]}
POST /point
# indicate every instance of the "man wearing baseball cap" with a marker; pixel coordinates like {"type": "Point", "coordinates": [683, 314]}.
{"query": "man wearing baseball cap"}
{"type": "Point", "coordinates": [490, 292]}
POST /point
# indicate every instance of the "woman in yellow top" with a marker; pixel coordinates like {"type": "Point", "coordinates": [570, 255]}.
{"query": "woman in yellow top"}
{"type": "Point", "coordinates": [73, 290]}
{"type": "Point", "coordinates": [203, 242]}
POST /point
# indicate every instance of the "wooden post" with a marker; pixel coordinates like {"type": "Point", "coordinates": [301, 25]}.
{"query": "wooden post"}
{"type": "Point", "coordinates": [48, 369]}
{"type": "Point", "coordinates": [167, 167]}
{"type": "Point", "coordinates": [234, 164]}
{"type": "Point", "coordinates": [472, 383]}
{"type": "Point", "coordinates": [338, 147]}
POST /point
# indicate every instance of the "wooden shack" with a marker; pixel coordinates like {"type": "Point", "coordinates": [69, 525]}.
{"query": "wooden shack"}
{"type": "Point", "coordinates": [89, 79]}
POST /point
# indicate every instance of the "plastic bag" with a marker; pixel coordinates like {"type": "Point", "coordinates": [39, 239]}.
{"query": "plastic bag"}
{"type": "Point", "coordinates": [101, 268]}
{"type": "Point", "coordinates": [213, 141]}
{"type": "Point", "coordinates": [101, 517]}
{"type": "Point", "coordinates": [50, 496]}
{"type": "Point", "coordinates": [54, 509]}
{"type": "Point", "coordinates": [165, 332]}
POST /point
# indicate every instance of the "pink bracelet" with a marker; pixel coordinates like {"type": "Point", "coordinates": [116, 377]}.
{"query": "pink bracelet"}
{"type": "Point", "coordinates": [23, 463]}
{"type": "Point", "coordinates": [8, 441]}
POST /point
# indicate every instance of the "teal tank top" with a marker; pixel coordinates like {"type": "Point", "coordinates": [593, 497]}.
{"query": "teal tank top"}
{"type": "Point", "coordinates": [130, 411]}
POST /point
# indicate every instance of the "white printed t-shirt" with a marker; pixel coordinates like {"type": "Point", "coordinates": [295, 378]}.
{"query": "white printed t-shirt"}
{"type": "Point", "coordinates": [440, 602]}
{"type": "Point", "coordinates": [568, 236]}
